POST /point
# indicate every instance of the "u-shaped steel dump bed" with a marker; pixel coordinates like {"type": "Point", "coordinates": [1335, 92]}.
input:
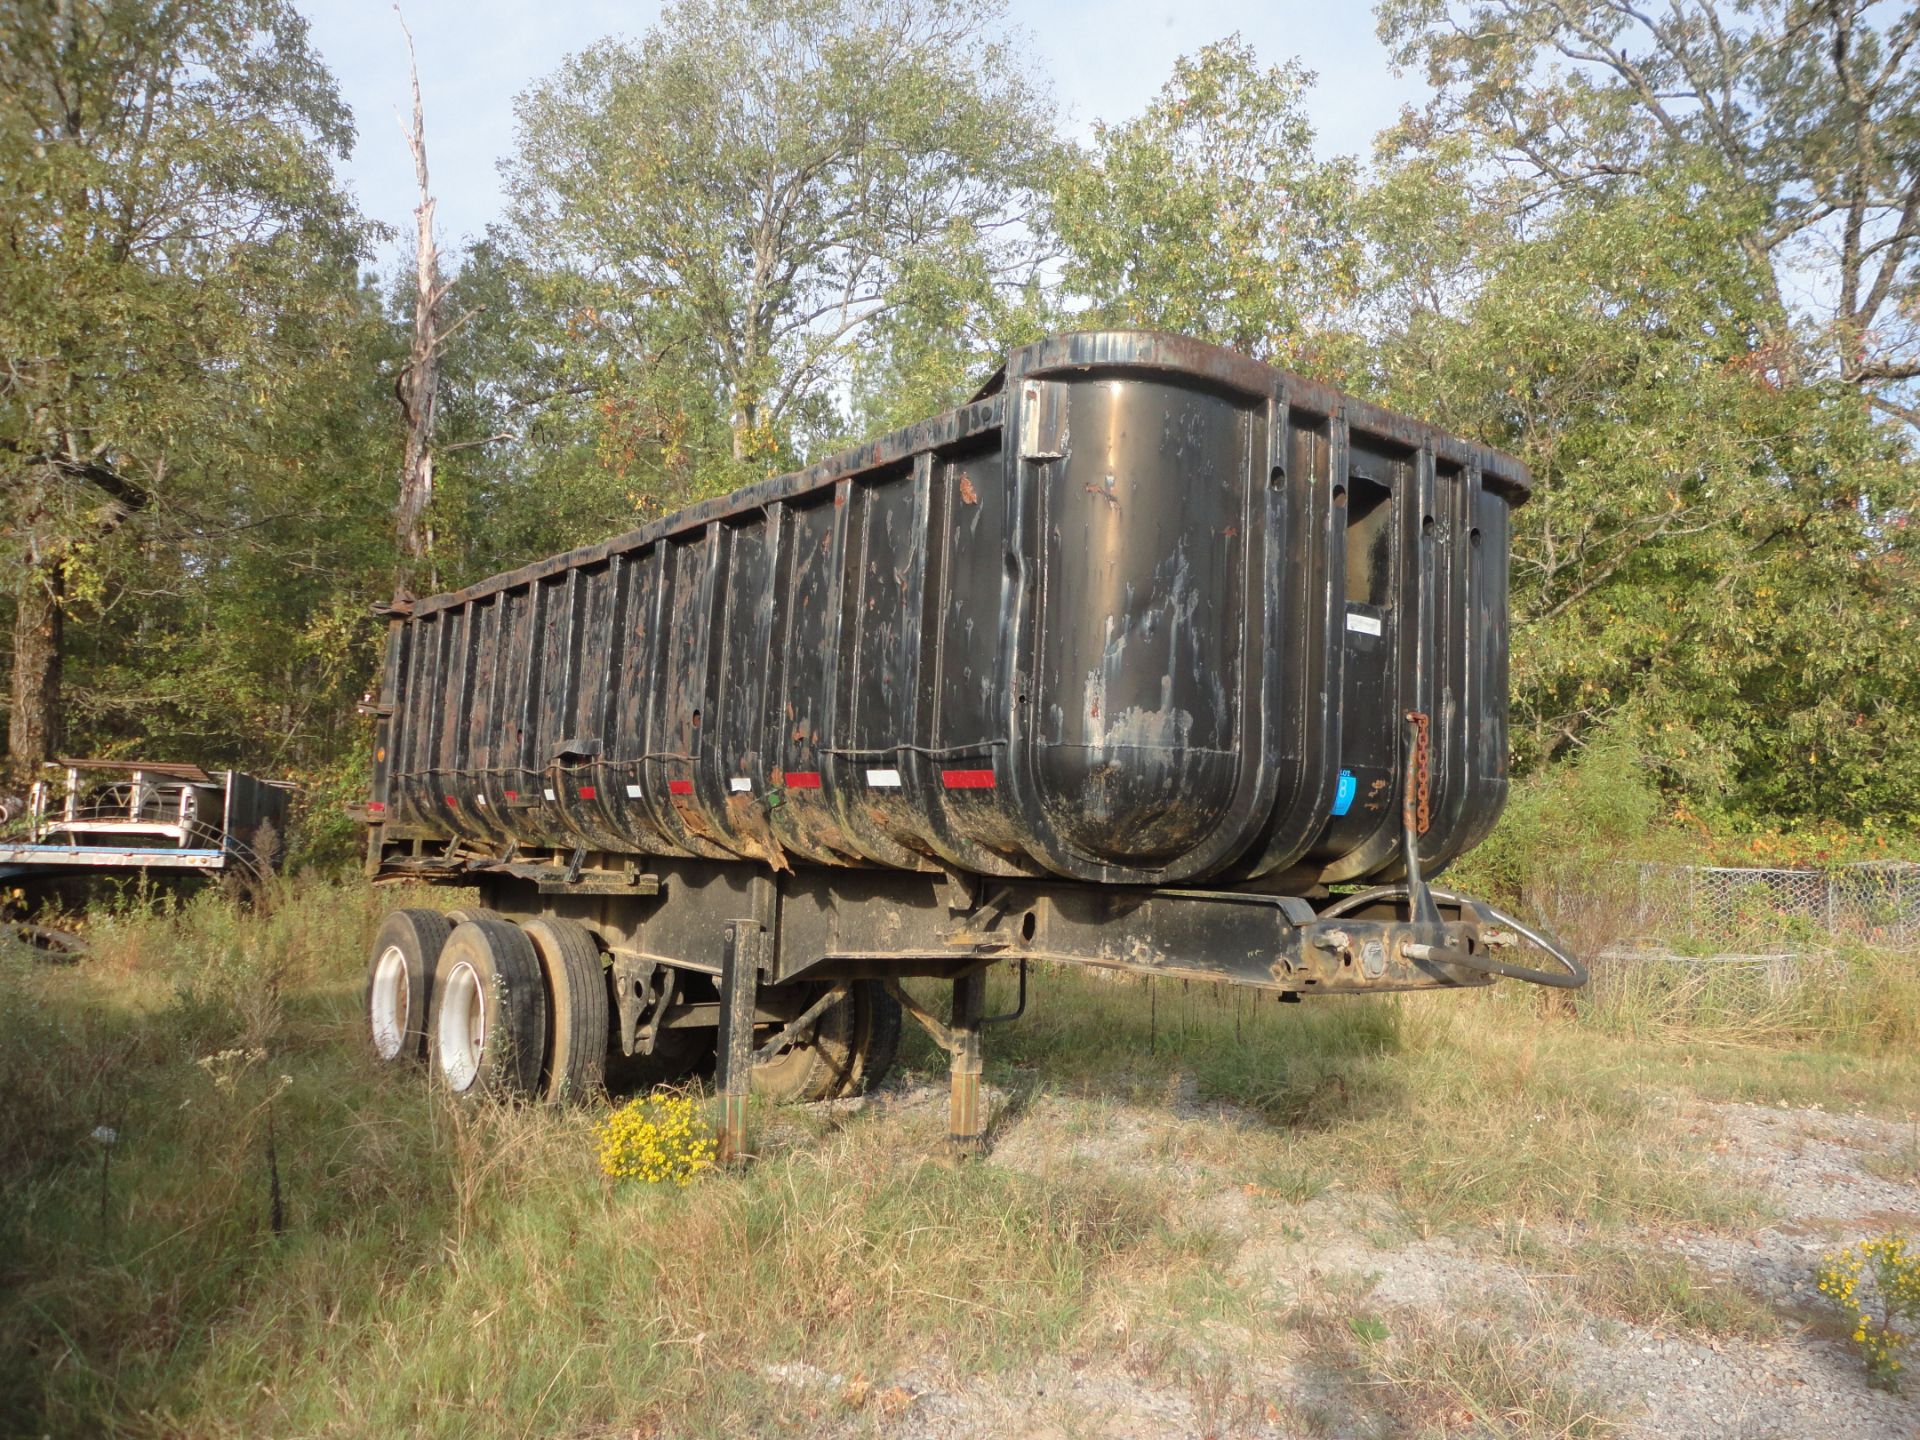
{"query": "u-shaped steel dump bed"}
{"type": "Point", "coordinates": [1147, 613]}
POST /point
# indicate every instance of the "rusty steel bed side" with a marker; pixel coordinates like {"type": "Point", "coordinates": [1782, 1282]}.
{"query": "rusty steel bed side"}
{"type": "Point", "coordinates": [636, 696]}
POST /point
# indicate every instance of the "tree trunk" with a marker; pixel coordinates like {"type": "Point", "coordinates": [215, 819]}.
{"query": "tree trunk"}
{"type": "Point", "coordinates": [419, 382]}
{"type": "Point", "coordinates": [33, 728]}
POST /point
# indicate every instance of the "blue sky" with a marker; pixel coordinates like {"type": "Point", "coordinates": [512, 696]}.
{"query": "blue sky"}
{"type": "Point", "coordinates": [1107, 60]}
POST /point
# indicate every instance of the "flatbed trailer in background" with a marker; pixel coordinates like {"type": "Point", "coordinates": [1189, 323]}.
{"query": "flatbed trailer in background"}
{"type": "Point", "coordinates": [126, 817]}
{"type": "Point", "coordinates": [1151, 657]}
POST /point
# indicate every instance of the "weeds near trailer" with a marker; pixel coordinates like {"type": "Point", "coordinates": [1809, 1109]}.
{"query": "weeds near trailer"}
{"type": "Point", "coordinates": [1875, 1285]}
{"type": "Point", "coordinates": [656, 1139]}
{"type": "Point", "coordinates": [1852, 997]}
{"type": "Point", "coordinates": [1373, 1094]}
{"type": "Point", "coordinates": [1901, 1163]}
{"type": "Point", "coordinates": [1634, 1282]}
{"type": "Point", "coordinates": [1471, 1371]}
{"type": "Point", "coordinates": [482, 1234]}
{"type": "Point", "coordinates": [1449, 1373]}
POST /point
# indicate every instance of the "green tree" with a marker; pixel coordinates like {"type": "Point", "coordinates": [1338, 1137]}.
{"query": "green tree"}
{"type": "Point", "coordinates": [1800, 116]}
{"type": "Point", "coordinates": [717, 217]}
{"type": "Point", "coordinates": [170, 229]}
{"type": "Point", "coordinates": [1208, 214]}
{"type": "Point", "coordinates": [1710, 571]}
{"type": "Point", "coordinates": [951, 331]}
{"type": "Point", "coordinates": [239, 631]}
{"type": "Point", "coordinates": [1668, 256]}
{"type": "Point", "coordinates": [534, 457]}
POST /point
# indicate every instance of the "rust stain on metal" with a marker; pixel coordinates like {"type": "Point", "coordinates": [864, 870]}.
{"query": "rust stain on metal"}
{"type": "Point", "coordinates": [968, 495]}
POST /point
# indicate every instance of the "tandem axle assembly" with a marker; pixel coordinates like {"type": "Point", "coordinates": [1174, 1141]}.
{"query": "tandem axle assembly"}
{"type": "Point", "coordinates": [801, 975]}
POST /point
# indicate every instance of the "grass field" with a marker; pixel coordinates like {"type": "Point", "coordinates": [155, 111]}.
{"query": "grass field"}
{"type": "Point", "coordinates": [280, 1239]}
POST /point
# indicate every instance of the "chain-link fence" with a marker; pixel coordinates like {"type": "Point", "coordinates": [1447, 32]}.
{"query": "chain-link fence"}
{"type": "Point", "coordinates": [1749, 955]}
{"type": "Point", "coordinates": [1782, 909]}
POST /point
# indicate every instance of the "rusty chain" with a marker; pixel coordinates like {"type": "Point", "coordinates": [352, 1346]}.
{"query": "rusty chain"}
{"type": "Point", "coordinates": [1422, 771]}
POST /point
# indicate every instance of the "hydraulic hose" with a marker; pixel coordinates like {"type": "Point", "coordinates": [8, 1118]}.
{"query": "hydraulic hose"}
{"type": "Point", "coordinates": [1571, 978]}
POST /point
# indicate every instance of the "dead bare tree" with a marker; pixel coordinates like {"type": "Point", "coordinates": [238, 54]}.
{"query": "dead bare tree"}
{"type": "Point", "coordinates": [417, 384]}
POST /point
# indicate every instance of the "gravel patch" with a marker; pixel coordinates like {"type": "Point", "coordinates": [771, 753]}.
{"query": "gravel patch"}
{"type": "Point", "coordinates": [1790, 1389]}
{"type": "Point", "coordinates": [1340, 1250]}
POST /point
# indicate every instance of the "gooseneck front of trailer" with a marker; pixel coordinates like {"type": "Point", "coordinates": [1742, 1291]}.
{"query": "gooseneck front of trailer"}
{"type": "Point", "coordinates": [1150, 657]}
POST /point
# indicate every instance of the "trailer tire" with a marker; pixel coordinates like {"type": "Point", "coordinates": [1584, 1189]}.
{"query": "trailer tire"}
{"type": "Point", "coordinates": [406, 949]}
{"type": "Point", "coordinates": [575, 1064]}
{"type": "Point", "coordinates": [489, 1012]}
{"type": "Point", "coordinates": [816, 1067]}
{"type": "Point", "coordinates": [876, 1036]}
{"type": "Point", "coordinates": [460, 914]}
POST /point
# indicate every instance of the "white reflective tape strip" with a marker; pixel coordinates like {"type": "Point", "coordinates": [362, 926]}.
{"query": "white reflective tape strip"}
{"type": "Point", "coordinates": [884, 779]}
{"type": "Point", "coordinates": [633, 792]}
{"type": "Point", "coordinates": [549, 794]}
{"type": "Point", "coordinates": [740, 785]}
{"type": "Point", "coordinates": [479, 799]}
{"type": "Point", "coordinates": [1364, 624]}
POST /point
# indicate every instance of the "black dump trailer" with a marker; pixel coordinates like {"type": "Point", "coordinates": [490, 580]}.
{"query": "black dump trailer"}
{"type": "Point", "coordinates": [1150, 657]}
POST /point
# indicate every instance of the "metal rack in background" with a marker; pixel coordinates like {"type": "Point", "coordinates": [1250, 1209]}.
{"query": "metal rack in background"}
{"type": "Point", "coordinates": [92, 816]}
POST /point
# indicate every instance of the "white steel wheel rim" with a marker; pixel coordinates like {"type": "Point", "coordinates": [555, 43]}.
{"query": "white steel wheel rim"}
{"type": "Point", "coordinates": [463, 1027]}
{"type": "Point", "coordinates": [389, 1003]}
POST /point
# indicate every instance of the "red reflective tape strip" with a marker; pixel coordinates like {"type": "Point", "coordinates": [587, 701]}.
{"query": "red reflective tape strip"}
{"type": "Point", "coordinates": [453, 802]}
{"type": "Point", "coordinates": [511, 794]}
{"type": "Point", "coordinates": [803, 780]}
{"type": "Point", "coordinates": [967, 779]}
{"type": "Point", "coordinates": [375, 807]}
{"type": "Point", "coordinates": [680, 787]}
{"type": "Point", "coordinates": [587, 792]}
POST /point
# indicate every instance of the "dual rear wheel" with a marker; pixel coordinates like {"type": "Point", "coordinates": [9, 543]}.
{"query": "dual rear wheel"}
{"type": "Point", "coordinates": [520, 1009]}
{"type": "Point", "coordinates": [487, 1033]}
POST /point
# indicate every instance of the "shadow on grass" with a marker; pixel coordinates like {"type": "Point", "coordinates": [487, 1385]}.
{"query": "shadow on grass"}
{"type": "Point", "coordinates": [1153, 1041]}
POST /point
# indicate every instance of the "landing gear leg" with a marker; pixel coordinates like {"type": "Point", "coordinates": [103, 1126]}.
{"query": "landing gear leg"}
{"type": "Point", "coordinates": [743, 945]}
{"type": "Point", "coordinates": [960, 1038]}
{"type": "Point", "coordinates": [966, 1112]}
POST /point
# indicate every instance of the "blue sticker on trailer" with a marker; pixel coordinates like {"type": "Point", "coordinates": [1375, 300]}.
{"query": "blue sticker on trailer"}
{"type": "Point", "coordinates": [1343, 797]}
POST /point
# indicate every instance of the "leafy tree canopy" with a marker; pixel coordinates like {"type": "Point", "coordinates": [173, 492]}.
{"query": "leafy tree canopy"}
{"type": "Point", "coordinates": [175, 250]}
{"type": "Point", "coordinates": [1209, 215]}
{"type": "Point", "coordinates": [1800, 116]}
{"type": "Point", "coordinates": [720, 215]}
{"type": "Point", "coordinates": [1712, 564]}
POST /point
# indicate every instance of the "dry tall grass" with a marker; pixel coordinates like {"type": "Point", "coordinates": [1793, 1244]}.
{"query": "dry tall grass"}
{"type": "Point", "coordinates": [435, 1269]}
